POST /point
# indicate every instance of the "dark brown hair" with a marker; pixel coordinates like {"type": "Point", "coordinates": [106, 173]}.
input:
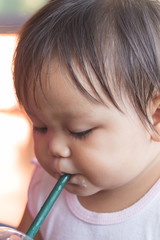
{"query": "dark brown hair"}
{"type": "Point", "coordinates": [117, 39]}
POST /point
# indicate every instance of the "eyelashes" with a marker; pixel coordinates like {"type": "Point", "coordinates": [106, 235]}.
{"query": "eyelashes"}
{"type": "Point", "coordinates": [75, 135]}
{"type": "Point", "coordinates": [81, 135]}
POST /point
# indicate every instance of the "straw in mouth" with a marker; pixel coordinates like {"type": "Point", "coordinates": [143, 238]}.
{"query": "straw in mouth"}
{"type": "Point", "coordinates": [36, 224]}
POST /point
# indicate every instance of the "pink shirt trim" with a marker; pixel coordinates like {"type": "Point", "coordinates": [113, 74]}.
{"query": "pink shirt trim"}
{"type": "Point", "coordinates": [111, 218]}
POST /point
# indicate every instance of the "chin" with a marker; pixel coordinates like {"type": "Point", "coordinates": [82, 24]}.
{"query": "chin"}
{"type": "Point", "coordinates": [79, 190]}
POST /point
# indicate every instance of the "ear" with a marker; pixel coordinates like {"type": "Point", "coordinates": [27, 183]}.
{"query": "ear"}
{"type": "Point", "coordinates": [155, 118]}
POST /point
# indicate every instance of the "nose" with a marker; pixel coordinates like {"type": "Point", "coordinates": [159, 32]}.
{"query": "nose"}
{"type": "Point", "coordinates": [58, 146]}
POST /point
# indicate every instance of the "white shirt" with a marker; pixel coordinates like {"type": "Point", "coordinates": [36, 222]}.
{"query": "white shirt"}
{"type": "Point", "coordinates": [68, 220]}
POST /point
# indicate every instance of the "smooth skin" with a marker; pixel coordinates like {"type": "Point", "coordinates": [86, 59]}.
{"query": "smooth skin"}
{"type": "Point", "coordinates": [114, 160]}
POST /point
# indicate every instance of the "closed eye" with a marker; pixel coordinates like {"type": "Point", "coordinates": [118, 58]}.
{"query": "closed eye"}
{"type": "Point", "coordinates": [41, 130]}
{"type": "Point", "coordinates": [81, 135]}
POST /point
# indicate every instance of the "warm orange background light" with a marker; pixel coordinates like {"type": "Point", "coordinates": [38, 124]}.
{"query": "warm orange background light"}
{"type": "Point", "coordinates": [16, 148]}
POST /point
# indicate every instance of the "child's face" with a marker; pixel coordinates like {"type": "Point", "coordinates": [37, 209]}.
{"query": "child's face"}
{"type": "Point", "coordinates": [100, 146]}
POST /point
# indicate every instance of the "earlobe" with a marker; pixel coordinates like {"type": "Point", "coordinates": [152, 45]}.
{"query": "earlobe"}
{"type": "Point", "coordinates": [155, 118]}
{"type": "Point", "coordinates": [156, 133]}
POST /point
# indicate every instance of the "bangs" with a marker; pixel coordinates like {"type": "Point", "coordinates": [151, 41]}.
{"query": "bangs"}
{"type": "Point", "coordinates": [110, 41]}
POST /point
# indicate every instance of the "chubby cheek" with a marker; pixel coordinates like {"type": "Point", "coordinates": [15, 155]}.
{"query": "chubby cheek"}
{"type": "Point", "coordinates": [37, 146]}
{"type": "Point", "coordinates": [103, 168]}
{"type": "Point", "coordinates": [94, 166]}
{"type": "Point", "coordinates": [40, 150]}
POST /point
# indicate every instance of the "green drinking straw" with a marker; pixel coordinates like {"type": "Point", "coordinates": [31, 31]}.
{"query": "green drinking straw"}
{"type": "Point", "coordinates": [47, 205]}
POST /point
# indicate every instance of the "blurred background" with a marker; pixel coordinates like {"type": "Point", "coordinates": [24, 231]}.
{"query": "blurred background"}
{"type": "Point", "coordinates": [16, 145]}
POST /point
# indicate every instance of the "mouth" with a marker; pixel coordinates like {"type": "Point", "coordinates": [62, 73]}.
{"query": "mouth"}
{"type": "Point", "coordinates": [77, 180]}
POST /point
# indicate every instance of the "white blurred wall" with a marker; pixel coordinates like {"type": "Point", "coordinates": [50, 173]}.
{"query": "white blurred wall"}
{"type": "Point", "coordinates": [16, 147]}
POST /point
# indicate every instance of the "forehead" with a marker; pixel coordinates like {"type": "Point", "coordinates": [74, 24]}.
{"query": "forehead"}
{"type": "Point", "coordinates": [61, 81]}
{"type": "Point", "coordinates": [57, 94]}
{"type": "Point", "coordinates": [56, 89]}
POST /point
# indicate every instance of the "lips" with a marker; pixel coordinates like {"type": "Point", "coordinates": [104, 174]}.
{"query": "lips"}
{"type": "Point", "coordinates": [62, 166]}
{"type": "Point", "coordinates": [76, 178]}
